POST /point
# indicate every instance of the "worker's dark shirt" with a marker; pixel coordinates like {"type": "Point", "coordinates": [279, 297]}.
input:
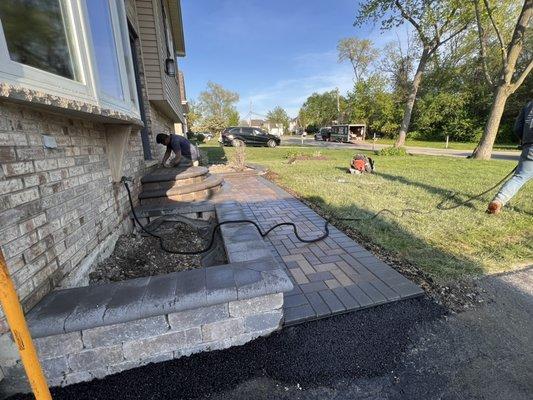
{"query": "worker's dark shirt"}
{"type": "Point", "coordinates": [180, 145]}
{"type": "Point", "coordinates": [524, 125]}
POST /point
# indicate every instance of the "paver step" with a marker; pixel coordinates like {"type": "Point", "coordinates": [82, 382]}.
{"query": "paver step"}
{"type": "Point", "coordinates": [186, 207]}
{"type": "Point", "coordinates": [168, 185]}
{"type": "Point", "coordinates": [192, 192]}
{"type": "Point", "coordinates": [174, 174]}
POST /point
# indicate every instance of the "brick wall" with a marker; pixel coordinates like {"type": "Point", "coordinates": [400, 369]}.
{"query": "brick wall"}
{"type": "Point", "coordinates": [57, 205]}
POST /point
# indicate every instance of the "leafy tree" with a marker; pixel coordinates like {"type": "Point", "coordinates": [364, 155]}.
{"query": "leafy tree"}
{"type": "Point", "coordinates": [446, 113]}
{"type": "Point", "coordinates": [233, 118]}
{"type": "Point", "coordinates": [510, 78]}
{"type": "Point", "coordinates": [360, 52]}
{"type": "Point", "coordinates": [216, 106]}
{"type": "Point", "coordinates": [397, 62]}
{"type": "Point", "coordinates": [436, 22]}
{"type": "Point", "coordinates": [279, 116]}
{"type": "Point", "coordinates": [372, 104]}
{"type": "Point", "coordinates": [216, 101]}
{"type": "Point", "coordinates": [320, 109]}
{"type": "Point", "coordinates": [193, 116]}
{"type": "Point", "coordinates": [214, 123]}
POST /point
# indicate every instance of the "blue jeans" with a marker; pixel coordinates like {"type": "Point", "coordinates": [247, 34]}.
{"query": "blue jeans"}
{"type": "Point", "coordinates": [523, 173]}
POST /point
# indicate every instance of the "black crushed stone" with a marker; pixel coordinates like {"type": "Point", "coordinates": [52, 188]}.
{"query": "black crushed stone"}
{"type": "Point", "coordinates": [363, 344]}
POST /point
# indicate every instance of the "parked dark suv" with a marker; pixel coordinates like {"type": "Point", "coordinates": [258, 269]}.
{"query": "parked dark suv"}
{"type": "Point", "coordinates": [244, 135]}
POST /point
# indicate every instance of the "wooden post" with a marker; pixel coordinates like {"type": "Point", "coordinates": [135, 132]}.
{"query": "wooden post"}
{"type": "Point", "coordinates": [447, 140]}
{"type": "Point", "coordinates": [21, 334]}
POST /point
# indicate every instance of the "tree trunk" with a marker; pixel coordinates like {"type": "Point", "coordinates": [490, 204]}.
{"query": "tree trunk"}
{"type": "Point", "coordinates": [484, 150]}
{"type": "Point", "coordinates": [510, 56]}
{"type": "Point", "coordinates": [409, 105]}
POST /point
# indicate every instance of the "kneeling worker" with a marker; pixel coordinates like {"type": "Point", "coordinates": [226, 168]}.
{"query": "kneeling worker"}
{"type": "Point", "coordinates": [524, 170]}
{"type": "Point", "coordinates": [181, 148]}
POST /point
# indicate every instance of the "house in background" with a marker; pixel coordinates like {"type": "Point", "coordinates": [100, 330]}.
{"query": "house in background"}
{"type": "Point", "coordinates": [294, 125]}
{"type": "Point", "coordinates": [84, 88]}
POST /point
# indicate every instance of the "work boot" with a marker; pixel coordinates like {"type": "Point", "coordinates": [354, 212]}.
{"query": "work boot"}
{"type": "Point", "coordinates": [495, 207]}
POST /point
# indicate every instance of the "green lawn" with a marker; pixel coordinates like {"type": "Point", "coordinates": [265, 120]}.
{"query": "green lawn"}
{"type": "Point", "coordinates": [447, 245]}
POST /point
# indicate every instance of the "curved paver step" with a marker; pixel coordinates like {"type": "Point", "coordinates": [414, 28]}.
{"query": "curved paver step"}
{"type": "Point", "coordinates": [174, 174]}
{"type": "Point", "coordinates": [210, 182]}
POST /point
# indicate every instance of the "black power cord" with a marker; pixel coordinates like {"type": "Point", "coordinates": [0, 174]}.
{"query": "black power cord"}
{"type": "Point", "coordinates": [399, 214]}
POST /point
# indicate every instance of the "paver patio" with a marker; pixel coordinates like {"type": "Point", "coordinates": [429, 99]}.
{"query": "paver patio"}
{"type": "Point", "coordinates": [332, 276]}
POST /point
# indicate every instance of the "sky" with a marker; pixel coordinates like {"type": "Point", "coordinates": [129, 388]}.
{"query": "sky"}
{"type": "Point", "coordinates": [271, 52]}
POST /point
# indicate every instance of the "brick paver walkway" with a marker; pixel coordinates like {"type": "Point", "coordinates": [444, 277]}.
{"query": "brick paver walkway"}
{"type": "Point", "coordinates": [332, 276]}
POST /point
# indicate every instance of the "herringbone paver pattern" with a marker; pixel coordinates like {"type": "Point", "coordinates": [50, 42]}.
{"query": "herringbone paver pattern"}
{"type": "Point", "coordinates": [331, 276]}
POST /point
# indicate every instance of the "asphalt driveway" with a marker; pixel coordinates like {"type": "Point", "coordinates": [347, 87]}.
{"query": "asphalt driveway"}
{"type": "Point", "coordinates": [412, 349]}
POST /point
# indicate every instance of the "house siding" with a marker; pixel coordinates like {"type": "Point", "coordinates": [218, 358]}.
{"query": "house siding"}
{"type": "Point", "coordinates": [161, 88]}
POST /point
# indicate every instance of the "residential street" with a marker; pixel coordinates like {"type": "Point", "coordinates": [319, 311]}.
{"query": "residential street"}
{"type": "Point", "coordinates": [309, 141]}
{"type": "Point", "coordinates": [406, 350]}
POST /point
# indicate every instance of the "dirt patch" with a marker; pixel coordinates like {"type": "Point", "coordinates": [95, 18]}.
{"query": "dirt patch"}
{"type": "Point", "coordinates": [457, 296]}
{"type": "Point", "coordinates": [138, 256]}
{"type": "Point", "coordinates": [226, 168]}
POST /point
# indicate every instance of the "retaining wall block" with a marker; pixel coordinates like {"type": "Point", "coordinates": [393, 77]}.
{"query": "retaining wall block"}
{"type": "Point", "coordinates": [58, 345]}
{"type": "Point", "coordinates": [94, 359]}
{"type": "Point", "coordinates": [166, 343]}
{"type": "Point", "coordinates": [199, 316]}
{"type": "Point", "coordinates": [242, 308]}
{"type": "Point", "coordinates": [125, 332]}
{"type": "Point", "coordinates": [264, 321]}
{"type": "Point", "coordinates": [222, 329]}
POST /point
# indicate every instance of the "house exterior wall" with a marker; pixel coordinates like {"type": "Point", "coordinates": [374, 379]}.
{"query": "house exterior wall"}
{"type": "Point", "coordinates": [161, 88]}
{"type": "Point", "coordinates": [59, 207]}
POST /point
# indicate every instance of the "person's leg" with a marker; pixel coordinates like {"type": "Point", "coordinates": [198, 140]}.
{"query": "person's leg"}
{"type": "Point", "coordinates": [523, 173]}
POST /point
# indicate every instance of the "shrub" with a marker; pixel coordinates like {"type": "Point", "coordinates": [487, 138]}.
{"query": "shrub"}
{"type": "Point", "coordinates": [292, 154]}
{"type": "Point", "coordinates": [392, 151]}
{"type": "Point", "coordinates": [200, 138]}
{"type": "Point", "coordinates": [238, 159]}
{"type": "Point", "coordinates": [445, 113]}
{"type": "Point", "coordinates": [312, 128]}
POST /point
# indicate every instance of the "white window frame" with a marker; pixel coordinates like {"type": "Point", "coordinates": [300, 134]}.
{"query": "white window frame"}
{"type": "Point", "coordinates": [87, 88]}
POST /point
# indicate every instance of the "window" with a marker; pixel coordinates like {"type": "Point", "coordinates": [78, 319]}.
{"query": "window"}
{"type": "Point", "coordinates": [258, 132]}
{"type": "Point", "coordinates": [104, 44]}
{"type": "Point", "coordinates": [247, 131]}
{"type": "Point", "coordinates": [37, 35]}
{"type": "Point", "coordinates": [77, 49]}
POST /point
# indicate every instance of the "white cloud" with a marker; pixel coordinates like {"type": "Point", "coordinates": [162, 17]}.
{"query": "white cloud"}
{"type": "Point", "coordinates": [319, 72]}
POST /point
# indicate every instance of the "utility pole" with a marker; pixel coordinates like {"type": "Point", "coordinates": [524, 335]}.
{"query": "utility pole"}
{"type": "Point", "coordinates": [250, 115]}
{"type": "Point", "coordinates": [338, 107]}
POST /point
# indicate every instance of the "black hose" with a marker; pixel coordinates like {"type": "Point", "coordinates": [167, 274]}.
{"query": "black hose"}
{"type": "Point", "coordinates": [217, 227]}
{"type": "Point", "coordinates": [398, 214]}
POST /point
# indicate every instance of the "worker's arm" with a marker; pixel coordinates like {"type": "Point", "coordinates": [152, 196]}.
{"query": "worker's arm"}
{"type": "Point", "coordinates": [166, 156]}
{"type": "Point", "coordinates": [177, 159]}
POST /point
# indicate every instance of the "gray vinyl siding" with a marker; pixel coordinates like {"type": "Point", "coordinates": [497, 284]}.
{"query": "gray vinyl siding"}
{"type": "Point", "coordinates": [162, 89]}
{"type": "Point", "coordinates": [131, 13]}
